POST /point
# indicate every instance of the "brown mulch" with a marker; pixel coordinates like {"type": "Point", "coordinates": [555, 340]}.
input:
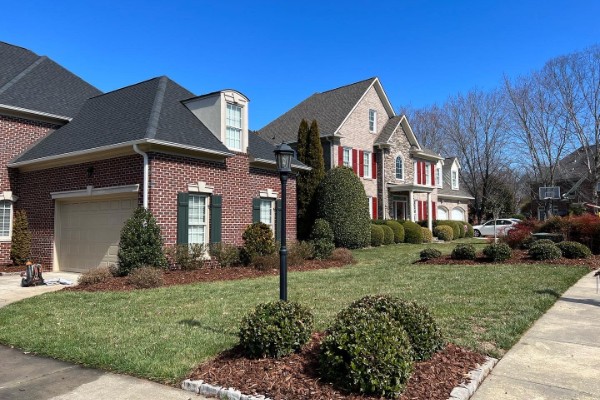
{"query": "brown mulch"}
{"type": "Point", "coordinates": [296, 376]}
{"type": "Point", "coordinates": [179, 277]}
{"type": "Point", "coordinates": [518, 257]}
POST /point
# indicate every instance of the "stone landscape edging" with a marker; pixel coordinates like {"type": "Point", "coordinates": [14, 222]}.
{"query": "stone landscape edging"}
{"type": "Point", "coordinates": [462, 392]}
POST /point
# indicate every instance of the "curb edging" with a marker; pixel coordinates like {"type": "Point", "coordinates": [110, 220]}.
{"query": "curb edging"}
{"type": "Point", "coordinates": [220, 392]}
{"type": "Point", "coordinates": [464, 391]}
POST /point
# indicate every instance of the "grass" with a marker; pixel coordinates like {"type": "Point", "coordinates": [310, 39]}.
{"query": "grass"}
{"type": "Point", "coordinates": [161, 334]}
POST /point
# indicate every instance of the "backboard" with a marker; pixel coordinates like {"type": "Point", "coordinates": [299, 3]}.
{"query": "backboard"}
{"type": "Point", "coordinates": [549, 193]}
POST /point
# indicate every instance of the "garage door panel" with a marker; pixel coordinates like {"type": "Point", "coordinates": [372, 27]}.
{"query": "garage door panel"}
{"type": "Point", "coordinates": [88, 232]}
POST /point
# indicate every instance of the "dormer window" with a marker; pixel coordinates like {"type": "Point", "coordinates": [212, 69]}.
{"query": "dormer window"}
{"type": "Point", "coordinates": [233, 128]}
{"type": "Point", "coordinates": [438, 177]}
{"type": "Point", "coordinates": [454, 175]}
{"type": "Point", "coordinates": [372, 121]}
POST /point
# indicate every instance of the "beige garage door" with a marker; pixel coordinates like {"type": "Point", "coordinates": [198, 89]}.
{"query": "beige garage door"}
{"type": "Point", "coordinates": [87, 232]}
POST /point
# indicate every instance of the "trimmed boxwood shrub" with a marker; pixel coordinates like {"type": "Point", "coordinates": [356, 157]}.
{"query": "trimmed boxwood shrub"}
{"type": "Point", "coordinates": [343, 203]}
{"type": "Point", "coordinates": [497, 252]}
{"type": "Point", "coordinates": [469, 233]}
{"type": "Point", "coordinates": [275, 329]}
{"type": "Point", "coordinates": [544, 251]}
{"type": "Point", "coordinates": [427, 235]}
{"type": "Point", "coordinates": [541, 242]}
{"type": "Point", "coordinates": [423, 332]}
{"type": "Point", "coordinates": [322, 239]}
{"type": "Point", "coordinates": [388, 234]}
{"type": "Point", "coordinates": [444, 232]}
{"type": "Point", "coordinates": [574, 250]}
{"type": "Point", "coordinates": [258, 241]}
{"type": "Point", "coordinates": [453, 225]}
{"type": "Point", "coordinates": [412, 232]}
{"type": "Point", "coordinates": [376, 235]}
{"type": "Point", "coordinates": [429, 254]}
{"type": "Point", "coordinates": [398, 230]}
{"type": "Point", "coordinates": [367, 353]}
{"type": "Point", "coordinates": [463, 252]}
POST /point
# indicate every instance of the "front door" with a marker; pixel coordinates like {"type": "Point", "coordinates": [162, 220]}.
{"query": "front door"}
{"type": "Point", "coordinates": [400, 209]}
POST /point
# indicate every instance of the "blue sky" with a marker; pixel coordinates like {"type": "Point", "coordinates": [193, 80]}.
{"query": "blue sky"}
{"type": "Point", "coordinates": [278, 53]}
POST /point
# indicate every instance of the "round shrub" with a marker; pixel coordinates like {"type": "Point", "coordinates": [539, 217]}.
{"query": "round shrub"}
{"type": "Point", "coordinates": [544, 251]}
{"type": "Point", "coordinates": [412, 232]}
{"type": "Point", "coordinates": [574, 250]}
{"type": "Point", "coordinates": [146, 278]}
{"type": "Point", "coordinates": [422, 330]}
{"type": "Point", "coordinates": [497, 252]}
{"type": "Point", "coordinates": [463, 252]}
{"type": "Point", "coordinates": [322, 238]}
{"type": "Point", "coordinates": [541, 242]}
{"type": "Point", "coordinates": [388, 234]}
{"type": "Point", "coordinates": [453, 225]}
{"type": "Point", "coordinates": [376, 235]}
{"type": "Point", "coordinates": [398, 230]}
{"type": "Point", "coordinates": [94, 275]}
{"type": "Point", "coordinates": [366, 353]}
{"type": "Point", "coordinates": [427, 235]}
{"type": "Point", "coordinates": [275, 329]}
{"type": "Point", "coordinates": [429, 254]}
{"type": "Point", "coordinates": [258, 241]}
{"type": "Point", "coordinates": [343, 256]}
{"type": "Point", "coordinates": [343, 203]}
{"type": "Point", "coordinates": [443, 232]}
{"type": "Point", "coordinates": [469, 232]}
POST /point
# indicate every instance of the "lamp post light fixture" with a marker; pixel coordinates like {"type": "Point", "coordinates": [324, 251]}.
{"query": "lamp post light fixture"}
{"type": "Point", "coordinates": [283, 156]}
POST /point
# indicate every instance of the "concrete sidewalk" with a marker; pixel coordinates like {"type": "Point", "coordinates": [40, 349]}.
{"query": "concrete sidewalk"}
{"type": "Point", "coordinates": [29, 377]}
{"type": "Point", "coordinates": [558, 358]}
{"type": "Point", "coordinates": [11, 290]}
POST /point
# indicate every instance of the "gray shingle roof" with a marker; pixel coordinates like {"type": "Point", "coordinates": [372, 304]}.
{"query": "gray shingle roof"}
{"type": "Point", "coordinates": [263, 150]}
{"type": "Point", "coordinates": [447, 190]}
{"type": "Point", "coordinates": [328, 108]}
{"type": "Point", "coordinates": [147, 110]}
{"type": "Point", "coordinates": [388, 130]}
{"type": "Point", "coordinates": [39, 84]}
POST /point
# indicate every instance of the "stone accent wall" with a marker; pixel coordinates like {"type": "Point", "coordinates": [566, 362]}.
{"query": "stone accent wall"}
{"type": "Point", "coordinates": [399, 146]}
{"type": "Point", "coordinates": [16, 134]}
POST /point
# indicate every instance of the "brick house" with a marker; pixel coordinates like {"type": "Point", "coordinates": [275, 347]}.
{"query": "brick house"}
{"type": "Point", "coordinates": [360, 129]}
{"type": "Point", "coordinates": [189, 159]}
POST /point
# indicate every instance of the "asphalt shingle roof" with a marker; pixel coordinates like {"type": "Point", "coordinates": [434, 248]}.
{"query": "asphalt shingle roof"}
{"type": "Point", "coordinates": [388, 130]}
{"type": "Point", "coordinates": [39, 84]}
{"type": "Point", "coordinates": [447, 186]}
{"type": "Point", "coordinates": [328, 108]}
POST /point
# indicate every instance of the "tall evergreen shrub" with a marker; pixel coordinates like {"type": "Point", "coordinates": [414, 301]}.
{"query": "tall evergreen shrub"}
{"type": "Point", "coordinates": [20, 248]}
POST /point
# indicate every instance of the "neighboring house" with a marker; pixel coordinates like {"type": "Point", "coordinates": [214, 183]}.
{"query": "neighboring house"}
{"type": "Point", "coordinates": [359, 129]}
{"type": "Point", "coordinates": [574, 187]}
{"type": "Point", "coordinates": [189, 159]}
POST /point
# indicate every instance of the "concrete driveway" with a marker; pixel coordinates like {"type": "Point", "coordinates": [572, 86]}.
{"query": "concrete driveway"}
{"type": "Point", "coordinates": [11, 290]}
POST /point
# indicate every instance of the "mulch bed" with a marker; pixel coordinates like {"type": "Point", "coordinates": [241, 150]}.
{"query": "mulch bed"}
{"type": "Point", "coordinates": [518, 257]}
{"type": "Point", "coordinates": [296, 376]}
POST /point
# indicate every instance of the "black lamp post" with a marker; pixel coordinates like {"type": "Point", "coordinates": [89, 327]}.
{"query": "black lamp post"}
{"type": "Point", "coordinates": [283, 155]}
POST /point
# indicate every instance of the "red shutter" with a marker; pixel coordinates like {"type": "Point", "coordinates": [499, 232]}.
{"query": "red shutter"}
{"type": "Point", "coordinates": [374, 207]}
{"type": "Point", "coordinates": [432, 174]}
{"type": "Point", "coordinates": [423, 176]}
{"type": "Point", "coordinates": [340, 156]}
{"type": "Point", "coordinates": [434, 210]}
{"type": "Point", "coordinates": [355, 160]}
{"type": "Point", "coordinates": [419, 174]}
{"type": "Point", "coordinates": [425, 210]}
{"type": "Point", "coordinates": [361, 163]}
{"type": "Point", "coordinates": [419, 209]}
{"type": "Point", "coordinates": [374, 166]}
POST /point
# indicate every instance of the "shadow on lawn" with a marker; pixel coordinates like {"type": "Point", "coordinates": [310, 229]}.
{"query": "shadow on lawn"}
{"type": "Point", "coordinates": [551, 292]}
{"type": "Point", "coordinates": [197, 324]}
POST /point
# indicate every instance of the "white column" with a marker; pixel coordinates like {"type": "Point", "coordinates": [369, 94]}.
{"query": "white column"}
{"type": "Point", "coordinates": [411, 205]}
{"type": "Point", "coordinates": [429, 214]}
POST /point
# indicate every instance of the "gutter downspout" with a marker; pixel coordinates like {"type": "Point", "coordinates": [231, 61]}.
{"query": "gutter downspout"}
{"type": "Point", "coordinates": [146, 173]}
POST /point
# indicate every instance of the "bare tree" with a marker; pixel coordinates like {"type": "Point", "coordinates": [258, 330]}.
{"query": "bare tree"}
{"type": "Point", "coordinates": [476, 126]}
{"type": "Point", "coordinates": [427, 125]}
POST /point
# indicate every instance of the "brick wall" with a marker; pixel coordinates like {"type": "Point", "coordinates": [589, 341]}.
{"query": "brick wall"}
{"type": "Point", "coordinates": [233, 179]}
{"type": "Point", "coordinates": [16, 134]}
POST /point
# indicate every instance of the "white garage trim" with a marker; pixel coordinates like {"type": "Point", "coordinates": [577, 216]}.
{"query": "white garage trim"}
{"type": "Point", "coordinates": [90, 191]}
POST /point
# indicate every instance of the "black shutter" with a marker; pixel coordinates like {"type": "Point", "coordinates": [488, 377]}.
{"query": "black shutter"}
{"type": "Point", "coordinates": [278, 222]}
{"type": "Point", "coordinates": [256, 210]}
{"type": "Point", "coordinates": [215, 218]}
{"type": "Point", "coordinates": [183, 201]}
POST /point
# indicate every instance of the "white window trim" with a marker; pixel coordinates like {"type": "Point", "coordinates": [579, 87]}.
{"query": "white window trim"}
{"type": "Point", "coordinates": [452, 172]}
{"type": "Point", "coordinates": [374, 113]}
{"type": "Point", "coordinates": [268, 194]}
{"type": "Point", "coordinates": [273, 202]}
{"type": "Point", "coordinates": [10, 199]}
{"type": "Point", "coordinates": [349, 150]}
{"type": "Point", "coordinates": [370, 207]}
{"type": "Point", "coordinates": [439, 179]}
{"type": "Point", "coordinates": [241, 128]}
{"type": "Point", "coordinates": [200, 187]}
{"type": "Point", "coordinates": [207, 217]}
{"type": "Point", "coordinates": [427, 174]}
{"type": "Point", "coordinates": [367, 167]}
{"type": "Point", "coordinates": [396, 168]}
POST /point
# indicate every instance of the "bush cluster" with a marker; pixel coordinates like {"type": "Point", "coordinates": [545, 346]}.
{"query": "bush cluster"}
{"type": "Point", "coordinates": [497, 252]}
{"type": "Point", "coordinates": [463, 252]}
{"type": "Point", "coordinates": [444, 232]}
{"type": "Point", "coordinates": [266, 262]}
{"type": "Point", "coordinates": [225, 254]}
{"type": "Point", "coordinates": [300, 251]}
{"type": "Point", "coordinates": [574, 250]}
{"type": "Point", "coordinates": [398, 230]}
{"type": "Point", "coordinates": [376, 235]}
{"type": "Point", "coordinates": [94, 275]}
{"type": "Point", "coordinates": [342, 255]}
{"type": "Point", "coordinates": [275, 329]}
{"type": "Point", "coordinates": [412, 232]}
{"type": "Point", "coordinates": [544, 250]}
{"type": "Point", "coordinates": [187, 256]}
{"type": "Point", "coordinates": [322, 239]}
{"type": "Point", "coordinates": [258, 241]}
{"type": "Point", "coordinates": [429, 254]}
{"type": "Point", "coordinates": [146, 277]}
{"type": "Point", "coordinates": [388, 234]}
{"type": "Point", "coordinates": [427, 235]}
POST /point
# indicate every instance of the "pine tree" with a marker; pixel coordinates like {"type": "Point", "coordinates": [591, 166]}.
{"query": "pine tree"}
{"type": "Point", "coordinates": [141, 243]}
{"type": "Point", "coordinates": [20, 248]}
{"type": "Point", "coordinates": [302, 141]}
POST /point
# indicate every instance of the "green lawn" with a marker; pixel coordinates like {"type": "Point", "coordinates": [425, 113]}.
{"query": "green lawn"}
{"type": "Point", "coordinates": [161, 334]}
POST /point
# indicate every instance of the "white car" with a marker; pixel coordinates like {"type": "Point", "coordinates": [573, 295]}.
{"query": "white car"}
{"type": "Point", "coordinates": [502, 227]}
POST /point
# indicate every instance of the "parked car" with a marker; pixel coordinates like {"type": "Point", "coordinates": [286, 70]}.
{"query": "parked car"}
{"type": "Point", "coordinates": [502, 227]}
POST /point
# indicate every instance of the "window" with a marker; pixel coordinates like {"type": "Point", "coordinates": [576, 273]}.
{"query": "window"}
{"type": "Point", "coordinates": [438, 177]}
{"type": "Point", "coordinates": [5, 218]}
{"type": "Point", "coordinates": [198, 219]}
{"type": "Point", "coordinates": [428, 174]}
{"type": "Point", "coordinates": [399, 168]}
{"type": "Point", "coordinates": [367, 164]}
{"type": "Point", "coordinates": [372, 121]}
{"type": "Point", "coordinates": [267, 213]}
{"type": "Point", "coordinates": [455, 180]}
{"type": "Point", "coordinates": [347, 157]}
{"type": "Point", "coordinates": [233, 133]}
